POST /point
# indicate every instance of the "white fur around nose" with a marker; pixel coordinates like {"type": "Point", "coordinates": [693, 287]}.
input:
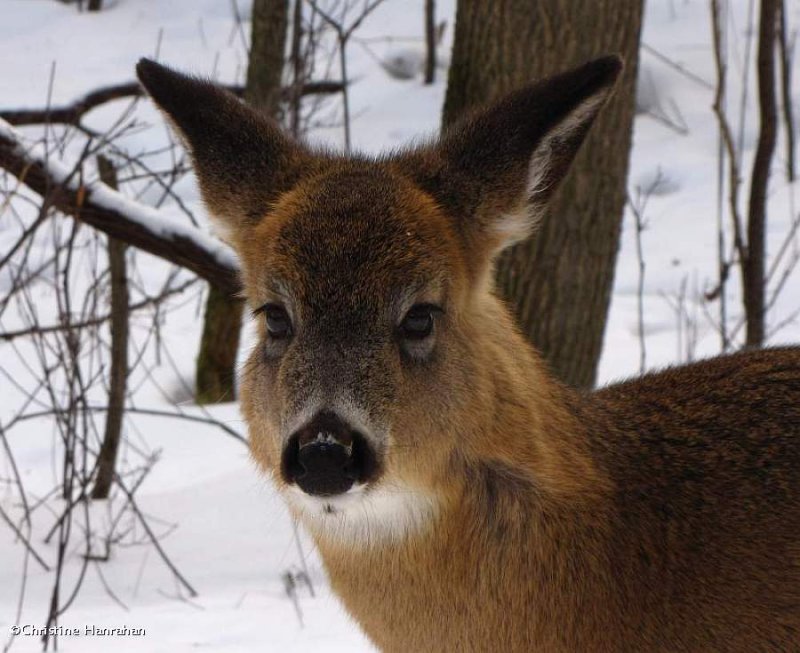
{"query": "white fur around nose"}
{"type": "Point", "coordinates": [365, 516]}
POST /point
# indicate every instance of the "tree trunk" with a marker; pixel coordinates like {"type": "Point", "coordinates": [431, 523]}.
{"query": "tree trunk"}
{"type": "Point", "coordinates": [265, 67]}
{"type": "Point", "coordinates": [753, 267]}
{"type": "Point", "coordinates": [299, 68]}
{"type": "Point", "coordinates": [215, 375]}
{"type": "Point", "coordinates": [215, 378]}
{"type": "Point", "coordinates": [786, 45]}
{"type": "Point", "coordinates": [107, 457]}
{"type": "Point", "coordinates": [560, 281]}
{"type": "Point", "coordinates": [430, 41]}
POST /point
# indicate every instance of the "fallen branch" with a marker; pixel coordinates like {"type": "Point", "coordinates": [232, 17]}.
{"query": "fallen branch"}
{"type": "Point", "coordinates": [114, 214]}
{"type": "Point", "coordinates": [71, 114]}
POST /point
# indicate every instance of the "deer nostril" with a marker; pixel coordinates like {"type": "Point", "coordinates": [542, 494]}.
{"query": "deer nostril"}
{"type": "Point", "coordinates": [291, 468]}
{"type": "Point", "coordinates": [323, 457]}
{"type": "Point", "coordinates": [326, 457]}
{"type": "Point", "coordinates": [324, 468]}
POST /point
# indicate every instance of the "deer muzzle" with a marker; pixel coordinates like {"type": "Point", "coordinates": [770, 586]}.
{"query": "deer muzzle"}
{"type": "Point", "coordinates": [327, 457]}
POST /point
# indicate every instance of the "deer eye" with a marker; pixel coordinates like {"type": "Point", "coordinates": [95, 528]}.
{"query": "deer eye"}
{"type": "Point", "coordinates": [279, 325]}
{"type": "Point", "coordinates": [418, 322]}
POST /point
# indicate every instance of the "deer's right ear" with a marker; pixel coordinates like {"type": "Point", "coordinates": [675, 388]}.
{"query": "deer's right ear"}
{"type": "Point", "coordinates": [496, 169]}
{"type": "Point", "coordinates": [241, 158]}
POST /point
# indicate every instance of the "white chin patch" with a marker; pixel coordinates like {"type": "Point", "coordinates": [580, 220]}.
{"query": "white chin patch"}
{"type": "Point", "coordinates": [368, 515]}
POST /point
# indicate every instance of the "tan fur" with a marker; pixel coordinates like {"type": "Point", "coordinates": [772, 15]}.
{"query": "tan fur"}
{"type": "Point", "coordinates": [510, 513]}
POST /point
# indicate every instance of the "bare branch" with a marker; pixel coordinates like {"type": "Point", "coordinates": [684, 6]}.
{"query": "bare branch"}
{"type": "Point", "coordinates": [100, 319]}
{"type": "Point", "coordinates": [676, 66]}
{"type": "Point", "coordinates": [726, 133]}
{"type": "Point", "coordinates": [23, 539]}
{"type": "Point", "coordinates": [71, 114]}
{"type": "Point", "coordinates": [112, 213]}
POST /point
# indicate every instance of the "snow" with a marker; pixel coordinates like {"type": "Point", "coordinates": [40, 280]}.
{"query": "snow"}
{"type": "Point", "coordinates": [221, 522]}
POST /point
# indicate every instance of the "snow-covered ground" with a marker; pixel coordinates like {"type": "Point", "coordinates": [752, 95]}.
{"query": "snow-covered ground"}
{"type": "Point", "coordinates": [221, 522]}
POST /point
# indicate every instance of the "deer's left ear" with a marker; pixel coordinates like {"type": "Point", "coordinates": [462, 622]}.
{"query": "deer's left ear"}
{"type": "Point", "coordinates": [242, 160]}
{"type": "Point", "coordinates": [495, 170]}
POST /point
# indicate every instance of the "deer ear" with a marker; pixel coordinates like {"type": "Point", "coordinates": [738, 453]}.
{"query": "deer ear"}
{"type": "Point", "coordinates": [496, 169]}
{"type": "Point", "coordinates": [241, 158]}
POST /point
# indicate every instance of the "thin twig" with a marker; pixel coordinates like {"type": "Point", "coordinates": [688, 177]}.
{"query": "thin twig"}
{"type": "Point", "coordinates": [678, 67]}
{"type": "Point", "coordinates": [23, 539]}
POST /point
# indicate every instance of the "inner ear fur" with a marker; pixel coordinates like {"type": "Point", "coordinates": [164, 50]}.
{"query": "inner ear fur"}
{"type": "Point", "coordinates": [242, 159]}
{"type": "Point", "coordinates": [495, 170]}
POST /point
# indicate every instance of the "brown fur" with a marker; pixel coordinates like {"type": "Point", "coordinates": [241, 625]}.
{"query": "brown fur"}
{"type": "Point", "coordinates": [661, 514]}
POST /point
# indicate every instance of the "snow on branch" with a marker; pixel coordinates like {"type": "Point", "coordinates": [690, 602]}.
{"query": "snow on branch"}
{"type": "Point", "coordinates": [114, 214]}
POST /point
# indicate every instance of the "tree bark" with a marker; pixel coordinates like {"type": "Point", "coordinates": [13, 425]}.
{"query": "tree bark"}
{"type": "Point", "coordinates": [215, 374]}
{"type": "Point", "coordinates": [107, 457]}
{"type": "Point", "coordinates": [559, 282]}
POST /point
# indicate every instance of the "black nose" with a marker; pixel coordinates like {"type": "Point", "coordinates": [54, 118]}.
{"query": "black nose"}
{"type": "Point", "coordinates": [326, 457]}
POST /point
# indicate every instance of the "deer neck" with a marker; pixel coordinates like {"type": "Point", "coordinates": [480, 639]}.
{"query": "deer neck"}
{"type": "Point", "coordinates": [499, 529]}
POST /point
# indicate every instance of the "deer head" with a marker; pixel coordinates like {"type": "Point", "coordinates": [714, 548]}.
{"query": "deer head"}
{"type": "Point", "coordinates": [375, 373]}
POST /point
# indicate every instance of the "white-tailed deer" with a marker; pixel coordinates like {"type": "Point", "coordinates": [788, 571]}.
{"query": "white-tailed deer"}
{"type": "Point", "coordinates": [460, 497]}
